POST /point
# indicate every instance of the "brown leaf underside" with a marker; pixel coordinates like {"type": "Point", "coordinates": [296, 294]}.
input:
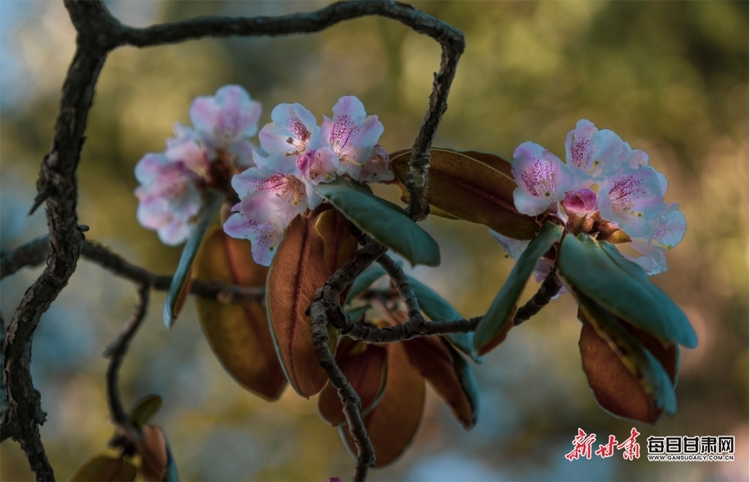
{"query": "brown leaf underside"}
{"type": "Point", "coordinates": [394, 421]}
{"type": "Point", "coordinates": [432, 359]}
{"type": "Point", "coordinates": [615, 386]}
{"type": "Point", "coordinates": [365, 367]}
{"type": "Point", "coordinates": [238, 334]}
{"type": "Point", "coordinates": [298, 270]}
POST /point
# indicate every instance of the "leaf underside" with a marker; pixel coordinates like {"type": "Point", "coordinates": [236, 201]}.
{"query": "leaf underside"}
{"type": "Point", "coordinates": [238, 334]}
{"type": "Point", "coordinates": [473, 186]}
{"type": "Point", "coordinates": [631, 374]}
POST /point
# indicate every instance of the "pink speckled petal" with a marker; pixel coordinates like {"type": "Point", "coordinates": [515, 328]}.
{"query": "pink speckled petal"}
{"type": "Point", "coordinates": [264, 237]}
{"type": "Point", "coordinates": [227, 117]}
{"type": "Point", "coordinates": [290, 132]}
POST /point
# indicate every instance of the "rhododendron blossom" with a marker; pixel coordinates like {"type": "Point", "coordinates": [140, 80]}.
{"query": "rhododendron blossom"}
{"type": "Point", "coordinates": [299, 156]}
{"type": "Point", "coordinates": [606, 189]}
{"type": "Point", "coordinates": [204, 155]}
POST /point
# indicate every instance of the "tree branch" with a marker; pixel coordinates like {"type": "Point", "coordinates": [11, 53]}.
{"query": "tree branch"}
{"type": "Point", "coordinates": [36, 251]}
{"type": "Point", "coordinates": [326, 307]}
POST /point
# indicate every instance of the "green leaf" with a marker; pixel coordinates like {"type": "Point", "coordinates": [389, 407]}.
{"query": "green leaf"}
{"type": "Point", "coordinates": [499, 317]}
{"type": "Point", "coordinates": [438, 309]}
{"type": "Point", "coordinates": [364, 280]}
{"type": "Point", "coordinates": [211, 203]}
{"type": "Point", "coordinates": [144, 409]}
{"type": "Point", "coordinates": [621, 287]}
{"type": "Point", "coordinates": [170, 472]}
{"type": "Point", "coordinates": [467, 380]}
{"type": "Point", "coordinates": [355, 313]}
{"type": "Point", "coordinates": [628, 381]}
{"type": "Point", "coordinates": [473, 186]}
{"type": "Point", "coordinates": [382, 220]}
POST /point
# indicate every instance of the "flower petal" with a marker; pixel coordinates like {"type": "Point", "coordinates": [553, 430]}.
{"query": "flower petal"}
{"type": "Point", "coordinates": [541, 177]}
{"type": "Point", "coordinates": [513, 247]}
{"type": "Point", "coordinates": [377, 168]}
{"type": "Point", "coordinates": [632, 198]}
{"type": "Point", "coordinates": [290, 132]}
{"type": "Point", "coordinates": [225, 118]}
{"type": "Point", "coordinates": [264, 237]}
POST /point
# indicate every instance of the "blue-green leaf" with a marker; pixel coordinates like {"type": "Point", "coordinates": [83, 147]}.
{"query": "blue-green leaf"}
{"type": "Point", "coordinates": [355, 313]}
{"type": "Point", "coordinates": [616, 390]}
{"type": "Point", "coordinates": [364, 280]}
{"type": "Point", "coordinates": [499, 317]}
{"type": "Point", "coordinates": [144, 409]}
{"type": "Point", "coordinates": [212, 201]}
{"type": "Point", "coordinates": [467, 380]}
{"type": "Point", "coordinates": [598, 271]}
{"type": "Point", "coordinates": [438, 309]}
{"type": "Point", "coordinates": [382, 220]}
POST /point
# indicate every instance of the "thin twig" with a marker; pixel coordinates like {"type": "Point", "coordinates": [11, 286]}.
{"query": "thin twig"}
{"type": "Point", "coordinates": [36, 251]}
{"type": "Point", "coordinates": [116, 353]}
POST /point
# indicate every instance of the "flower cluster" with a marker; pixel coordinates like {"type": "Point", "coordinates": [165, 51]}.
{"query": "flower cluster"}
{"type": "Point", "coordinates": [206, 154]}
{"type": "Point", "coordinates": [299, 155]}
{"type": "Point", "coordinates": [605, 188]}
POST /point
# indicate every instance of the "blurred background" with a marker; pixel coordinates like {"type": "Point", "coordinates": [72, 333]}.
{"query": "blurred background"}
{"type": "Point", "coordinates": [670, 78]}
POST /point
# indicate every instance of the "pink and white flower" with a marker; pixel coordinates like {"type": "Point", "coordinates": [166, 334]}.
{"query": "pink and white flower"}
{"type": "Point", "coordinates": [541, 176]}
{"type": "Point", "coordinates": [606, 190]}
{"type": "Point", "coordinates": [592, 153]}
{"type": "Point", "coordinates": [353, 136]}
{"type": "Point", "coordinates": [669, 231]}
{"type": "Point", "coordinates": [168, 196]}
{"type": "Point", "coordinates": [299, 156]}
{"type": "Point", "coordinates": [172, 183]}
{"type": "Point", "coordinates": [269, 201]}
{"type": "Point", "coordinates": [226, 122]}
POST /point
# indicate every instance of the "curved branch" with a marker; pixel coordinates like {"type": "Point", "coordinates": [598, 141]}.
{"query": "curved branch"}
{"type": "Point", "coordinates": [326, 307]}
{"type": "Point", "coordinates": [116, 353]}
{"type": "Point", "coordinates": [450, 39]}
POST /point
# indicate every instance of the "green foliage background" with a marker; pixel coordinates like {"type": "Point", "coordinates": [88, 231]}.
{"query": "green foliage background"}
{"type": "Point", "coordinates": [669, 77]}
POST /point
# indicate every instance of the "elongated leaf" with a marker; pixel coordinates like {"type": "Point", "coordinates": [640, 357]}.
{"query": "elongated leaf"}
{"type": "Point", "coordinates": [437, 361]}
{"type": "Point", "coordinates": [297, 271]}
{"type": "Point", "coordinates": [152, 447]}
{"type": "Point", "coordinates": [211, 203]}
{"type": "Point", "coordinates": [238, 334]}
{"type": "Point", "coordinates": [394, 421]}
{"type": "Point", "coordinates": [626, 378]}
{"type": "Point", "coordinates": [622, 288]}
{"type": "Point", "coordinates": [438, 309]}
{"type": "Point", "coordinates": [472, 186]}
{"type": "Point", "coordinates": [499, 317]}
{"type": "Point", "coordinates": [365, 368]}
{"type": "Point", "coordinates": [104, 468]}
{"type": "Point", "coordinates": [144, 409]}
{"type": "Point", "coordinates": [364, 280]}
{"type": "Point", "coordinates": [339, 243]}
{"type": "Point", "coordinates": [170, 473]}
{"type": "Point", "coordinates": [382, 220]}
